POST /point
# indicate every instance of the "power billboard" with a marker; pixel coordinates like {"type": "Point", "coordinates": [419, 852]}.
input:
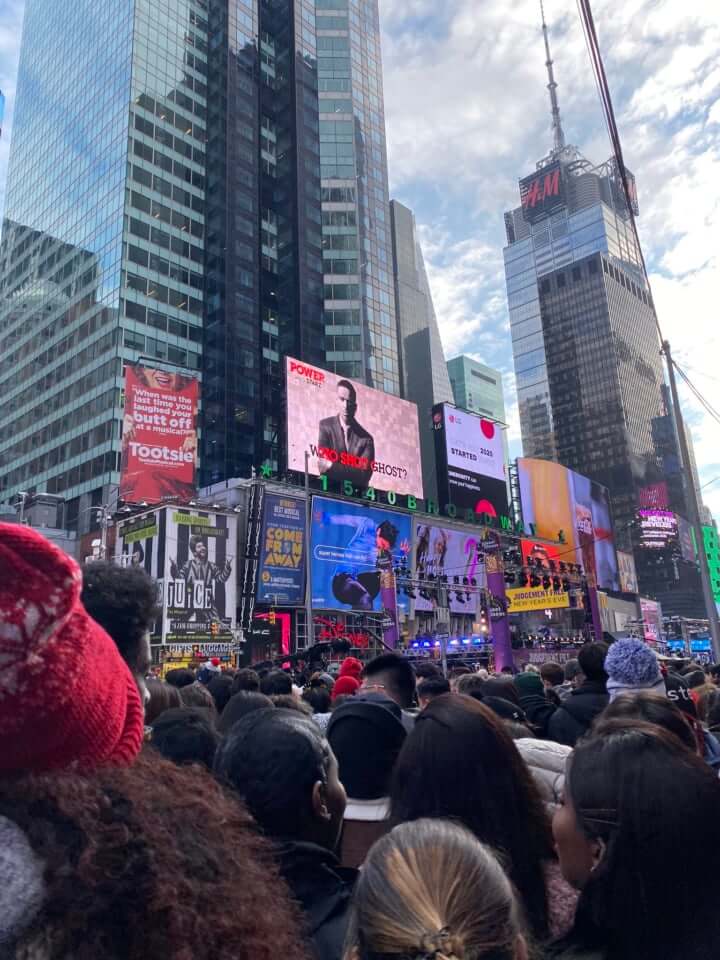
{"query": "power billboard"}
{"type": "Point", "coordinates": [355, 436]}
{"type": "Point", "coordinates": [159, 441]}
{"type": "Point", "coordinates": [455, 554]}
{"type": "Point", "coordinates": [281, 575]}
{"type": "Point", "coordinates": [558, 502]}
{"type": "Point", "coordinates": [470, 455]}
{"type": "Point", "coordinates": [354, 551]}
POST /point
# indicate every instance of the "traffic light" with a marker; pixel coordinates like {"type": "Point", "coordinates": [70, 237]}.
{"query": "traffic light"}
{"type": "Point", "coordinates": [214, 628]}
{"type": "Point", "coordinates": [271, 618]}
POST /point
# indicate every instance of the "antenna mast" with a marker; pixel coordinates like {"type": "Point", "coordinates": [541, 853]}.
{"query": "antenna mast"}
{"type": "Point", "coordinates": [558, 135]}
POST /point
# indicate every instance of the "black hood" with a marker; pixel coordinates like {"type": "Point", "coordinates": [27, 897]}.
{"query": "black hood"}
{"type": "Point", "coordinates": [317, 881]}
{"type": "Point", "coordinates": [585, 703]}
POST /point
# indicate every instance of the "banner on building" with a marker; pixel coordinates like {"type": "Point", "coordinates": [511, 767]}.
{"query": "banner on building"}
{"type": "Point", "coordinates": [355, 436]}
{"type": "Point", "coordinates": [159, 441]}
{"type": "Point", "coordinates": [651, 616]}
{"type": "Point", "coordinates": [470, 455]}
{"type": "Point", "coordinates": [354, 547]}
{"type": "Point", "coordinates": [562, 504]}
{"type": "Point", "coordinates": [627, 572]}
{"type": "Point", "coordinates": [191, 556]}
{"type": "Point", "coordinates": [281, 576]}
{"type": "Point", "coordinates": [526, 599]}
{"type": "Point", "coordinates": [442, 552]}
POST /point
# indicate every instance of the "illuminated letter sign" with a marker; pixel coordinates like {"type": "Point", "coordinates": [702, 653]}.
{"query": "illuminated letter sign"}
{"type": "Point", "coordinates": [542, 192]}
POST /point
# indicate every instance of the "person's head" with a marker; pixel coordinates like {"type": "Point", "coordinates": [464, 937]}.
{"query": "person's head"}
{"type": "Point", "coordinates": [708, 707]}
{"type": "Point", "coordinates": [509, 712]}
{"type": "Point", "coordinates": [198, 696]}
{"type": "Point", "coordinates": [427, 670]}
{"type": "Point", "coordinates": [198, 548]}
{"type": "Point", "coordinates": [318, 699]}
{"type": "Point", "coordinates": [496, 799]}
{"type": "Point", "coordinates": [632, 666]}
{"type": "Point", "coordinates": [246, 679]}
{"type": "Point", "coordinates": [634, 797]}
{"type": "Point", "coordinates": [67, 696]}
{"type": "Point", "coordinates": [180, 677]}
{"type": "Point", "coordinates": [431, 688]}
{"type": "Point", "coordinates": [469, 682]}
{"type": "Point", "coordinates": [123, 600]}
{"type": "Point", "coordinates": [715, 674]}
{"type": "Point", "coordinates": [220, 689]}
{"type": "Point", "coordinates": [652, 708]}
{"type": "Point", "coordinates": [572, 672]}
{"type": "Point", "coordinates": [145, 863]}
{"type": "Point", "coordinates": [275, 683]}
{"type": "Point", "coordinates": [504, 687]}
{"type": "Point", "coordinates": [366, 738]}
{"type": "Point", "coordinates": [351, 667]}
{"type": "Point", "coordinates": [286, 773]}
{"type": "Point", "coordinates": [386, 535]}
{"type": "Point", "coordinates": [507, 671]}
{"type": "Point", "coordinates": [393, 674]}
{"type": "Point", "coordinates": [406, 905]}
{"type": "Point", "coordinates": [695, 678]}
{"type": "Point", "coordinates": [239, 705]}
{"type": "Point", "coordinates": [591, 658]}
{"type": "Point", "coordinates": [161, 379]}
{"type": "Point", "coordinates": [347, 401]}
{"type": "Point", "coordinates": [161, 696]}
{"type": "Point", "coordinates": [288, 701]}
{"type": "Point", "coordinates": [344, 687]}
{"type": "Point", "coordinates": [552, 674]}
{"type": "Point", "coordinates": [186, 735]}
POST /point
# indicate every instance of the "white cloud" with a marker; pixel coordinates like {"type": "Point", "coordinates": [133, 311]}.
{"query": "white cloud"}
{"type": "Point", "coordinates": [467, 115]}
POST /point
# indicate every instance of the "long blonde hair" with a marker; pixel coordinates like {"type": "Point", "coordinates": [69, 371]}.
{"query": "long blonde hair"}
{"type": "Point", "coordinates": [429, 889]}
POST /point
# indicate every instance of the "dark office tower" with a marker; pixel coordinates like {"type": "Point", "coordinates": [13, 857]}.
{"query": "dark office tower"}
{"type": "Point", "coordinates": [585, 345]}
{"type": "Point", "coordinates": [424, 374]}
{"type": "Point", "coordinates": [264, 245]}
{"type": "Point", "coordinates": [361, 335]}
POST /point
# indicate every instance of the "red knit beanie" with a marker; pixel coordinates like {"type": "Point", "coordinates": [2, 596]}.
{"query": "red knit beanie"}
{"type": "Point", "coordinates": [66, 694]}
{"type": "Point", "coordinates": [344, 686]}
{"type": "Point", "coordinates": [351, 667]}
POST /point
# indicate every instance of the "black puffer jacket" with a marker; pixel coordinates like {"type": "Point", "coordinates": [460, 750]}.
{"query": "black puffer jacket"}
{"type": "Point", "coordinates": [575, 715]}
{"type": "Point", "coordinates": [323, 889]}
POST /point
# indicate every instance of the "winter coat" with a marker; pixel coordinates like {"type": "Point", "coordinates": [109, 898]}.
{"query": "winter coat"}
{"type": "Point", "coordinates": [575, 716]}
{"type": "Point", "coordinates": [546, 762]}
{"type": "Point", "coordinates": [323, 889]}
{"type": "Point", "coordinates": [539, 711]}
{"type": "Point", "coordinates": [712, 749]}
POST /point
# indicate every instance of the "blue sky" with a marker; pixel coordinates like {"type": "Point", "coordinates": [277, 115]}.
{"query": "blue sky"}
{"type": "Point", "coordinates": [467, 115]}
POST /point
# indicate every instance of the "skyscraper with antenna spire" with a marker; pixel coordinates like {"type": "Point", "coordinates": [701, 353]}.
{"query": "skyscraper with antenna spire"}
{"type": "Point", "coordinates": [585, 348]}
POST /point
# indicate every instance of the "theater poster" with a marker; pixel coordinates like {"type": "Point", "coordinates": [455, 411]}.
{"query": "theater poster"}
{"type": "Point", "coordinates": [159, 441]}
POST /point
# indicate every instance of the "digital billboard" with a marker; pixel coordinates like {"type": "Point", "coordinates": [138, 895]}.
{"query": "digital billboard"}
{"type": "Point", "coordinates": [546, 553]}
{"type": "Point", "coordinates": [354, 551]}
{"type": "Point", "coordinates": [470, 455]}
{"type": "Point", "coordinates": [527, 599]}
{"type": "Point", "coordinates": [559, 502]}
{"type": "Point", "coordinates": [651, 616]}
{"type": "Point", "coordinates": [658, 528]}
{"type": "Point", "coordinates": [627, 572]}
{"type": "Point", "coordinates": [191, 556]}
{"type": "Point", "coordinates": [686, 540]}
{"type": "Point", "coordinates": [281, 574]}
{"type": "Point", "coordinates": [654, 497]}
{"type": "Point", "coordinates": [355, 436]}
{"type": "Point", "coordinates": [443, 552]}
{"type": "Point", "coordinates": [543, 192]}
{"type": "Point", "coordinates": [159, 440]}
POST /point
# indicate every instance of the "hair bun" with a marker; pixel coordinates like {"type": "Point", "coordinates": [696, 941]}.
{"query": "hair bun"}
{"type": "Point", "coordinates": [440, 946]}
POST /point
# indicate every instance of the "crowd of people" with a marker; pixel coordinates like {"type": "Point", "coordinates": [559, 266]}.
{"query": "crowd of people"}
{"type": "Point", "coordinates": [377, 811]}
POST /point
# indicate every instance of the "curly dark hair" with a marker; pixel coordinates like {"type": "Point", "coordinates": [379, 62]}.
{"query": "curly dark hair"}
{"type": "Point", "coordinates": [123, 600]}
{"type": "Point", "coordinates": [149, 863]}
{"type": "Point", "coordinates": [388, 531]}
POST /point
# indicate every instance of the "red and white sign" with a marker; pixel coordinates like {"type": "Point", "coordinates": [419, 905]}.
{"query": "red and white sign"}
{"type": "Point", "coordinates": [474, 444]}
{"type": "Point", "coordinates": [159, 442]}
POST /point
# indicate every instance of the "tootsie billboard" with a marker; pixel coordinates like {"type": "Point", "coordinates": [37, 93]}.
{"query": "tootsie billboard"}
{"type": "Point", "coordinates": [355, 436]}
{"type": "Point", "coordinates": [159, 442]}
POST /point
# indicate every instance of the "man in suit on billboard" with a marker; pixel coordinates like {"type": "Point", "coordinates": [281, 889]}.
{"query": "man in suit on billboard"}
{"type": "Point", "coordinates": [342, 435]}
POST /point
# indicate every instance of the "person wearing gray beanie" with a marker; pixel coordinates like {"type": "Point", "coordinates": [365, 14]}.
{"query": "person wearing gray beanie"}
{"type": "Point", "coordinates": [631, 666]}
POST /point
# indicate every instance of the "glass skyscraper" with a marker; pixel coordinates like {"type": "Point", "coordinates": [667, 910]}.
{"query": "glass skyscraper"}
{"type": "Point", "coordinates": [201, 184]}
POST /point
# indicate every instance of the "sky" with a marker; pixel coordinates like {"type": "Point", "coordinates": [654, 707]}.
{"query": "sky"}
{"type": "Point", "coordinates": [467, 115]}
